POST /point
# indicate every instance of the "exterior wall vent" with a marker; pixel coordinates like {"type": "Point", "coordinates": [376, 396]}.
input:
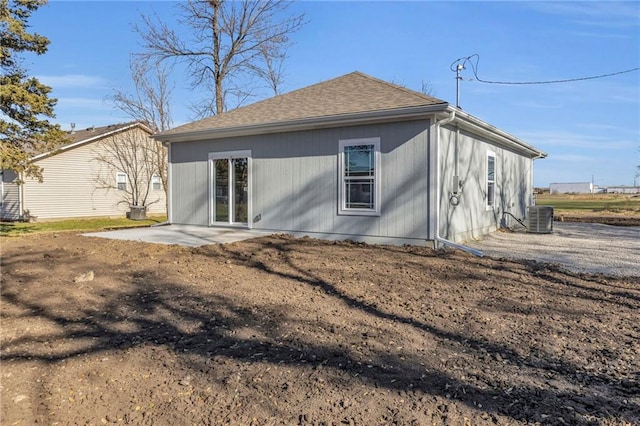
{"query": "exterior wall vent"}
{"type": "Point", "coordinates": [540, 219]}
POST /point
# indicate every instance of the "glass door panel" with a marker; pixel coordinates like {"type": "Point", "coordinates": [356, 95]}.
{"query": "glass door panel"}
{"type": "Point", "coordinates": [240, 189]}
{"type": "Point", "coordinates": [229, 188]}
{"type": "Point", "coordinates": [221, 190]}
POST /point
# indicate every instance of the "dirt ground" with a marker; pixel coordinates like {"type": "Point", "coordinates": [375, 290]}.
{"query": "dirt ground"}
{"type": "Point", "coordinates": [615, 220]}
{"type": "Point", "coordinates": [279, 330]}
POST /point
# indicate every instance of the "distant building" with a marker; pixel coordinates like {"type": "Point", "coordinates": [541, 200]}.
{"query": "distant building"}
{"type": "Point", "coordinates": [623, 189]}
{"type": "Point", "coordinates": [572, 188]}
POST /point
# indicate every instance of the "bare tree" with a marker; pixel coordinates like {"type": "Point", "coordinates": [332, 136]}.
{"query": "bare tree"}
{"type": "Point", "coordinates": [151, 100]}
{"type": "Point", "coordinates": [129, 154]}
{"type": "Point", "coordinates": [427, 88]}
{"type": "Point", "coordinates": [225, 47]}
{"type": "Point", "coordinates": [271, 66]}
{"type": "Point", "coordinates": [150, 103]}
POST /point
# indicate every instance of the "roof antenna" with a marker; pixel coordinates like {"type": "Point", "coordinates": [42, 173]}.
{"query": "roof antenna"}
{"type": "Point", "coordinates": [459, 68]}
{"type": "Point", "coordinates": [73, 128]}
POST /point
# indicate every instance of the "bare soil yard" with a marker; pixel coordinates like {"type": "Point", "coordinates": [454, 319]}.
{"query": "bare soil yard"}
{"type": "Point", "coordinates": [280, 330]}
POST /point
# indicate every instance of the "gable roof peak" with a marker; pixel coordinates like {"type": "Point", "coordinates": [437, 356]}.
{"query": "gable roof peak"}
{"type": "Point", "coordinates": [352, 93]}
{"type": "Point", "coordinates": [76, 135]}
{"type": "Point", "coordinates": [398, 86]}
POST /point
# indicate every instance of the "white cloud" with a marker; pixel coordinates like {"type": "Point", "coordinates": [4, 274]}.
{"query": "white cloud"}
{"type": "Point", "coordinates": [534, 104]}
{"type": "Point", "coordinates": [608, 127]}
{"type": "Point", "coordinates": [91, 103]}
{"type": "Point", "coordinates": [623, 12]}
{"type": "Point", "coordinates": [599, 35]}
{"type": "Point", "coordinates": [552, 139]}
{"type": "Point", "coordinates": [73, 81]}
{"type": "Point", "coordinates": [571, 158]}
{"type": "Point", "coordinates": [626, 98]}
{"type": "Point", "coordinates": [86, 112]}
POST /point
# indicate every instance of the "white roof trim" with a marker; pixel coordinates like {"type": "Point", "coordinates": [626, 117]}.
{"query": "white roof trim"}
{"type": "Point", "coordinates": [396, 114]}
{"type": "Point", "coordinates": [470, 122]}
{"type": "Point", "coordinates": [463, 119]}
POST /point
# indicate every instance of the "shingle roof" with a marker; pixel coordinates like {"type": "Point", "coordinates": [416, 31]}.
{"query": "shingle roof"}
{"type": "Point", "coordinates": [93, 132]}
{"type": "Point", "coordinates": [80, 137]}
{"type": "Point", "coordinates": [352, 93]}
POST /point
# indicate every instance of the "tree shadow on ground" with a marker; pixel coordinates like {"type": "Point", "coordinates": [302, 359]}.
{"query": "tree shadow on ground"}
{"type": "Point", "coordinates": [162, 312]}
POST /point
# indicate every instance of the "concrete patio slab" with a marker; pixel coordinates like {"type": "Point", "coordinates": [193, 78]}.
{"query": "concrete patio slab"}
{"type": "Point", "coordinates": [185, 235]}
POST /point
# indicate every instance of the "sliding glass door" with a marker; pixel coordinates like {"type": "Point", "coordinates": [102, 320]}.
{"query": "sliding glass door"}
{"type": "Point", "coordinates": [230, 183]}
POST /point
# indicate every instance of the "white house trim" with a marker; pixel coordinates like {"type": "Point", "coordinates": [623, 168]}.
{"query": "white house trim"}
{"type": "Point", "coordinates": [342, 207]}
{"type": "Point", "coordinates": [230, 155]}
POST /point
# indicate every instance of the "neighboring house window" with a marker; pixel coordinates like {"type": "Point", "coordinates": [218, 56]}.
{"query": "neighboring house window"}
{"type": "Point", "coordinates": [121, 181]}
{"type": "Point", "coordinates": [359, 162]}
{"type": "Point", "coordinates": [156, 183]}
{"type": "Point", "coordinates": [491, 179]}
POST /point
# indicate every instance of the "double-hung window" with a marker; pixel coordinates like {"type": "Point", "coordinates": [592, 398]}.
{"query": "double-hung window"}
{"type": "Point", "coordinates": [491, 180]}
{"type": "Point", "coordinates": [359, 164]}
{"type": "Point", "coordinates": [121, 181]}
{"type": "Point", "coordinates": [156, 183]}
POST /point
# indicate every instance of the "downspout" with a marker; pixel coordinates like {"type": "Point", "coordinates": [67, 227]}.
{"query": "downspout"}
{"type": "Point", "coordinates": [21, 197]}
{"type": "Point", "coordinates": [169, 193]}
{"type": "Point", "coordinates": [533, 192]}
{"type": "Point", "coordinates": [438, 239]}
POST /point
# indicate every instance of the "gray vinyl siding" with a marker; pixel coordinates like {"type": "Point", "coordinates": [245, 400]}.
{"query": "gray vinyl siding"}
{"type": "Point", "coordinates": [470, 218]}
{"type": "Point", "coordinates": [10, 205]}
{"type": "Point", "coordinates": [69, 188]}
{"type": "Point", "coordinates": [295, 181]}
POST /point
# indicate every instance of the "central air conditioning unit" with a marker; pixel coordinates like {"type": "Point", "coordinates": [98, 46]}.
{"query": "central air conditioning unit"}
{"type": "Point", "coordinates": [540, 219]}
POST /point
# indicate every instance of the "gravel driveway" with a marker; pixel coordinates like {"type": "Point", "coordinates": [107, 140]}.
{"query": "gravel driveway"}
{"type": "Point", "coordinates": [580, 247]}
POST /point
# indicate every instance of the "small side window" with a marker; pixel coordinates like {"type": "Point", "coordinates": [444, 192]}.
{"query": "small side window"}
{"type": "Point", "coordinates": [491, 180]}
{"type": "Point", "coordinates": [156, 183]}
{"type": "Point", "coordinates": [121, 181]}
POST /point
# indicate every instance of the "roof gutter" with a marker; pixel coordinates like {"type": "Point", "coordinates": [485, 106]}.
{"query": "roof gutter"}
{"type": "Point", "coordinates": [485, 129]}
{"type": "Point", "coordinates": [397, 114]}
{"type": "Point", "coordinates": [437, 238]}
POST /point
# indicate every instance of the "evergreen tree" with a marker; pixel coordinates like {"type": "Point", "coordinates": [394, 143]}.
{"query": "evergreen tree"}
{"type": "Point", "coordinates": [25, 104]}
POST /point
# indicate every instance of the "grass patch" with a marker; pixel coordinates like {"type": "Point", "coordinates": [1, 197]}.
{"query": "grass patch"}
{"type": "Point", "coordinates": [597, 203]}
{"type": "Point", "coordinates": [11, 229]}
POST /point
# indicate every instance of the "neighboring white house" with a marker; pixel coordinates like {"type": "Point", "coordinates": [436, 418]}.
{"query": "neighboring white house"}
{"type": "Point", "coordinates": [71, 173]}
{"type": "Point", "coordinates": [572, 188]}
{"type": "Point", "coordinates": [350, 158]}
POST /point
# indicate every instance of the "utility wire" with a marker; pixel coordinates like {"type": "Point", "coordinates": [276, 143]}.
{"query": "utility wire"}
{"type": "Point", "coordinates": [474, 67]}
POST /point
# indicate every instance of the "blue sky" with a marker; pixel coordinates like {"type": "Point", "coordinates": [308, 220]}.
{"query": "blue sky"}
{"type": "Point", "coordinates": [591, 129]}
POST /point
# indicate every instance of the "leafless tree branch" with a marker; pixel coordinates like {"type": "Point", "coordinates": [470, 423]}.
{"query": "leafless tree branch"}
{"type": "Point", "coordinates": [149, 103]}
{"type": "Point", "coordinates": [229, 43]}
{"type": "Point", "coordinates": [133, 153]}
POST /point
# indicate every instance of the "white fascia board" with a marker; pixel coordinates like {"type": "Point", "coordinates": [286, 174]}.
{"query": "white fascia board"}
{"type": "Point", "coordinates": [465, 120]}
{"type": "Point", "coordinates": [401, 114]}
{"type": "Point", "coordinates": [85, 141]}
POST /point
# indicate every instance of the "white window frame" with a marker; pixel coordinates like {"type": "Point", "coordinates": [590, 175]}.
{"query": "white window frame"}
{"type": "Point", "coordinates": [342, 202]}
{"type": "Point", "coordinates": [231, 155]}
{"type": "Point", "coordinates": [490, 200]}
{"type": "Point", "coordinates": [156, 180]}
{"type": "Point", "coordinates": [121, 178]}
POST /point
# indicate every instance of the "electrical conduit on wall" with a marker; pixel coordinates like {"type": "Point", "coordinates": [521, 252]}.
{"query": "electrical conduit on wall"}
{"type": "Point", "coordinates": [438, 238]}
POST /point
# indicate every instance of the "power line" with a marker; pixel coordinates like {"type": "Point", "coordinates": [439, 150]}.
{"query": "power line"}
{"type": "Point", "coordinates": [474, 67]}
